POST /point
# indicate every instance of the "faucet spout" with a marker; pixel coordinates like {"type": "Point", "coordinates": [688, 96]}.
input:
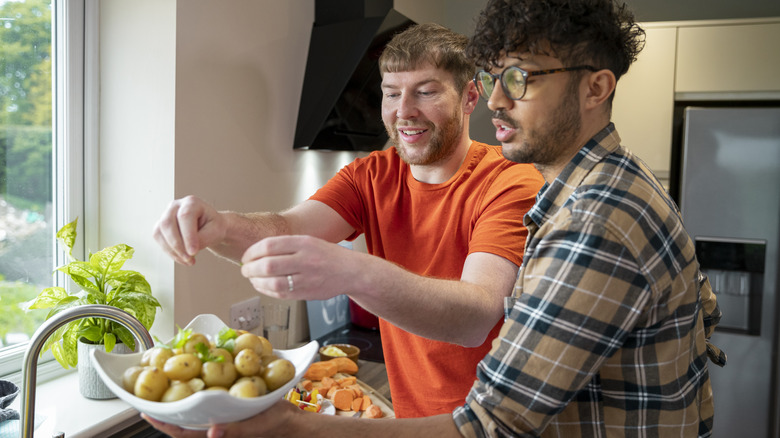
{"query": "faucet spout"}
{"type": "Point", "coordinates": [139, 332]}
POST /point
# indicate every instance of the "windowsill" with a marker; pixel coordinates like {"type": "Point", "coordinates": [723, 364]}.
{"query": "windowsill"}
{"type": "Point", "coordinates": [60, 407]}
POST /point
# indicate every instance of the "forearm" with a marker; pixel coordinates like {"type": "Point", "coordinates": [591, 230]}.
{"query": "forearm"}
{"type": "Point", "coordinates": [244, 229]}
{"type": "Point", "coordinates": [458, 311]}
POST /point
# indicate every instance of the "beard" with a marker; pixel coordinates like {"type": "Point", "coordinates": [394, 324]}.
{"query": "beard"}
{"type": "Point", "coordinates": [441, 145]}
{"type": "Point", "coordinates": [545, 145]}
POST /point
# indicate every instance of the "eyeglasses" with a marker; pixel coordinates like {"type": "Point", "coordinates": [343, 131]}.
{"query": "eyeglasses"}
{"type": "Point", "coordinates": [514, 79]}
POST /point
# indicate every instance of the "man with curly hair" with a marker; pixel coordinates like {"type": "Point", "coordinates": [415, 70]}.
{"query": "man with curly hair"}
{"type": "Point", "coordinates": [607, 331]}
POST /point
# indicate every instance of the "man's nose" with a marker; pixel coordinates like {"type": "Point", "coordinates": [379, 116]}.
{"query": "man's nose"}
{"type": "Point", "coordinates": [498, 100]}
{"type": "Point", "coordinates": [407, 108]}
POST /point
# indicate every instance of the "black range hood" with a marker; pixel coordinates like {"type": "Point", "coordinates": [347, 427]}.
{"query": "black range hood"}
{"type": "Point", "coordinates": [340, 106]}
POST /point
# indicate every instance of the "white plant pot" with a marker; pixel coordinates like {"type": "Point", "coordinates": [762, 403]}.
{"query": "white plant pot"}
{"type": "Point", "coordinates": [90, 383]}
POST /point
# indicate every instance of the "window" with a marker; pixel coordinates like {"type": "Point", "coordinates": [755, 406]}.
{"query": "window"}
{"type": "Point", "coordinates": [42, 154]}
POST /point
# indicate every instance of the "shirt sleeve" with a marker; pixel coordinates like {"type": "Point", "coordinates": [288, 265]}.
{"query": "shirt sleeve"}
{"type": "Point", "coordinates": [582, 293]}
{"type": "Point", "coordinates": [712, 316]}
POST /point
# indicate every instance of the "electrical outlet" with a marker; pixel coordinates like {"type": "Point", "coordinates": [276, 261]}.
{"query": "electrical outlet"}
{"type": "Point", "coordinates": [245, 315]}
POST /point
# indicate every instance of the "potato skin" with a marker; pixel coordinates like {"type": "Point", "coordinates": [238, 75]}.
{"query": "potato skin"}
{"type": "Point", "coordinates": [218, 374]}
{"type": "Point", "coordinates": [249, 341]}
{"type": "Point", "coordinates": [277, 373]}
{"type": "Point", "coordinates": [182, 367]}
{"type": "Point", "coordinates": [248, 363]}
{"type": "Point", "coordinates": [130, 376]}
{"type": "Point", "coordinates": [262, 388]}
{"type": "Point", "coordinates": [195, 339]}
{"type": "Point", "coordinates": [243, 389]}
{"type": "Point", "coordinates": [151, 384]}
{"type": "Point", "coordinates": [177, 391]}
{"type": "Point", "coordinates": [156, 357]}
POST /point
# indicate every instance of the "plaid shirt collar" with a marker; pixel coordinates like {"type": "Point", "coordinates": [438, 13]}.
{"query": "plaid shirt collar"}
{"type": "Point", "coordinates": [552, 196]}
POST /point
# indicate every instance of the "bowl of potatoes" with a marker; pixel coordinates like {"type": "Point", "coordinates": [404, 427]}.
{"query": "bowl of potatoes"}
{"type": "Point", "coordinates": [208, 374]}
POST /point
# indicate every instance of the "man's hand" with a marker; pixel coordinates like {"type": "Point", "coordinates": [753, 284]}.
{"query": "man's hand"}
{"type": "Point", "coordinates": [188, 226]}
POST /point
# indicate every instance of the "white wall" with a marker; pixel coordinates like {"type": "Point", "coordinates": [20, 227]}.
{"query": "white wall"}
{"type": "Point", "coordinates": [136, 135]}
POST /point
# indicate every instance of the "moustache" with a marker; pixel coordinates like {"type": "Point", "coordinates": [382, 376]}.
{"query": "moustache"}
{"type": "Point", "coordinates": [502, 116]}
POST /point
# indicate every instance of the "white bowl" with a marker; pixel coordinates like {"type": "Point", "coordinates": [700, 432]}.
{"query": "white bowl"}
{"type": "Point", "coordinates": [203, 408]}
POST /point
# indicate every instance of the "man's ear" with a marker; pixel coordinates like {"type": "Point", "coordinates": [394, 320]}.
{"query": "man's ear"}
{"type": "Point", "coordinates": [601, 84]}
{"type": "Point", "coordinates": [470, 98]}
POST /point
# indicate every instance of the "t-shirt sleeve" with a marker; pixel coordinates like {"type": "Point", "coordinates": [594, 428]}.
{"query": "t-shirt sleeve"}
{"type": "Point", "coordinates": [499, 221]}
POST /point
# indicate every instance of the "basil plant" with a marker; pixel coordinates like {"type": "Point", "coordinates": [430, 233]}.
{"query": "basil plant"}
{"type": "Point", "coordinates": [102, 281]}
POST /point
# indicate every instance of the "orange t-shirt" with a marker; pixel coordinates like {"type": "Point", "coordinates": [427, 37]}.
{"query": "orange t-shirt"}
{"type": "Point", "coordinates": [429, 229]}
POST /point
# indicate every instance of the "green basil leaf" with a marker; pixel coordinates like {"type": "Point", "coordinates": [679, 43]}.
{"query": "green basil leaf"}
{"type": "Point", "coordinates": [181, 338]}
{"type": "Point", "coordinates": [226, 338]}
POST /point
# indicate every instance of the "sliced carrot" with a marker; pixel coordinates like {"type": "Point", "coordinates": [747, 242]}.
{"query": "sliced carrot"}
{"type": "Point", "coordinates": [373, 411]}
{"type": "Point", "coordinates": [356, 389]}
{"type": "Point", "coordinates": [346, 381]}
{"type": "Point", "coordinates": [365, 402]}
{"type": "Point", "coordinates": [326, 383]}
{"type": "Point", "coordinates": [342, 399]}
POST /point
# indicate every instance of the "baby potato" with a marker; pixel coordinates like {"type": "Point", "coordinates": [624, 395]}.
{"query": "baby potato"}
{"type": "Point", "coordinates": [267, 347]}
{"type": "Point", "coordinates": [195, 339]}
{"type": "Point", "coordinates": [177, 391]}
{"type": "Point", "coordinates": [156, 357]}
{"type": "Point", "coordinates": [277, 373]}
{"type": "Point", "coordinates": [243, 389]}
{"type": "Point", "coordinates": [248, 363]}
{"type": "Point", "coordinates": [249, 341]}
{"type": "Point", "coordinates": [183, 367]}
{"type": "Point", "coordinates": [262, 388]}
{"type": "Point", "coordinates": [268, 358]}
{"type": "Point", "coordinates": [151, 384]}
{"type": "Point", "coordinates": [197, 384]}
{"type": "Point", "coordinates": [222, 352]}
{"type": "Point", "coordinates": [216, 388]}
{"type": "Point", "coordinates": [130, 376]}
{"type": "Point", "coordinates": [218, 374]}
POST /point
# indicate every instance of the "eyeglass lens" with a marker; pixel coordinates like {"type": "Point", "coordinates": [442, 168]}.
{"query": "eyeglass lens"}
{"type": "Point", "coordinates": [512, 80]}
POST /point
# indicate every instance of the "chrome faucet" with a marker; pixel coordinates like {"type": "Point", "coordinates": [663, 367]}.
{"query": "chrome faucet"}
{"type": "Point", "coordinates": [139, 332]}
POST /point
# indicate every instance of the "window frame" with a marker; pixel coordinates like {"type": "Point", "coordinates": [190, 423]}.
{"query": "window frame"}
{"type": "Point", "coordinates": [75, 76]}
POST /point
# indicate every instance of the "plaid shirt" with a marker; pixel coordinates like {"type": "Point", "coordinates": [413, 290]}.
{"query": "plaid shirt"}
{"type": "Point", "coordinates": [606, 332]}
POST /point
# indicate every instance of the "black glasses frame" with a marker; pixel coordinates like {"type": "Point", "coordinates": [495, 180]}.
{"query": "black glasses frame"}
{"type": "Point", "coordinates": [525, 73]}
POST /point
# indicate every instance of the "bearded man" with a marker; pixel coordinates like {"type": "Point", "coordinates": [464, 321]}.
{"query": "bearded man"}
{"type": "Point", "coordinates": [442, 217]}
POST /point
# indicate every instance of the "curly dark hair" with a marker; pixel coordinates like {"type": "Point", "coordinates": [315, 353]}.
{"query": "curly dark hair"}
{"type": "Point", "coordinates": [601, 33]}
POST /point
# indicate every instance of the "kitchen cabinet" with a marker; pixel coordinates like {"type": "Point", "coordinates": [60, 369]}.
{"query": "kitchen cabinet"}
{"type": "Point", "coordinates": [728, 58]}
{"type": "Point", "coordinates": [692, 61]}
{"type": "Point", "coordinates": [644, 101]}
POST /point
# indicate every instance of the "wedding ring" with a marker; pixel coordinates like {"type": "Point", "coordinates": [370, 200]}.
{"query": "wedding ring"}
{"type": "Point", "coordinates": [290, 284]}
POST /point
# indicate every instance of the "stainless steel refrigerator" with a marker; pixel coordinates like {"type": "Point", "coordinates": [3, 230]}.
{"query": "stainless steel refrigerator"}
{"type": "Point", "coordinates": [730, 201]}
